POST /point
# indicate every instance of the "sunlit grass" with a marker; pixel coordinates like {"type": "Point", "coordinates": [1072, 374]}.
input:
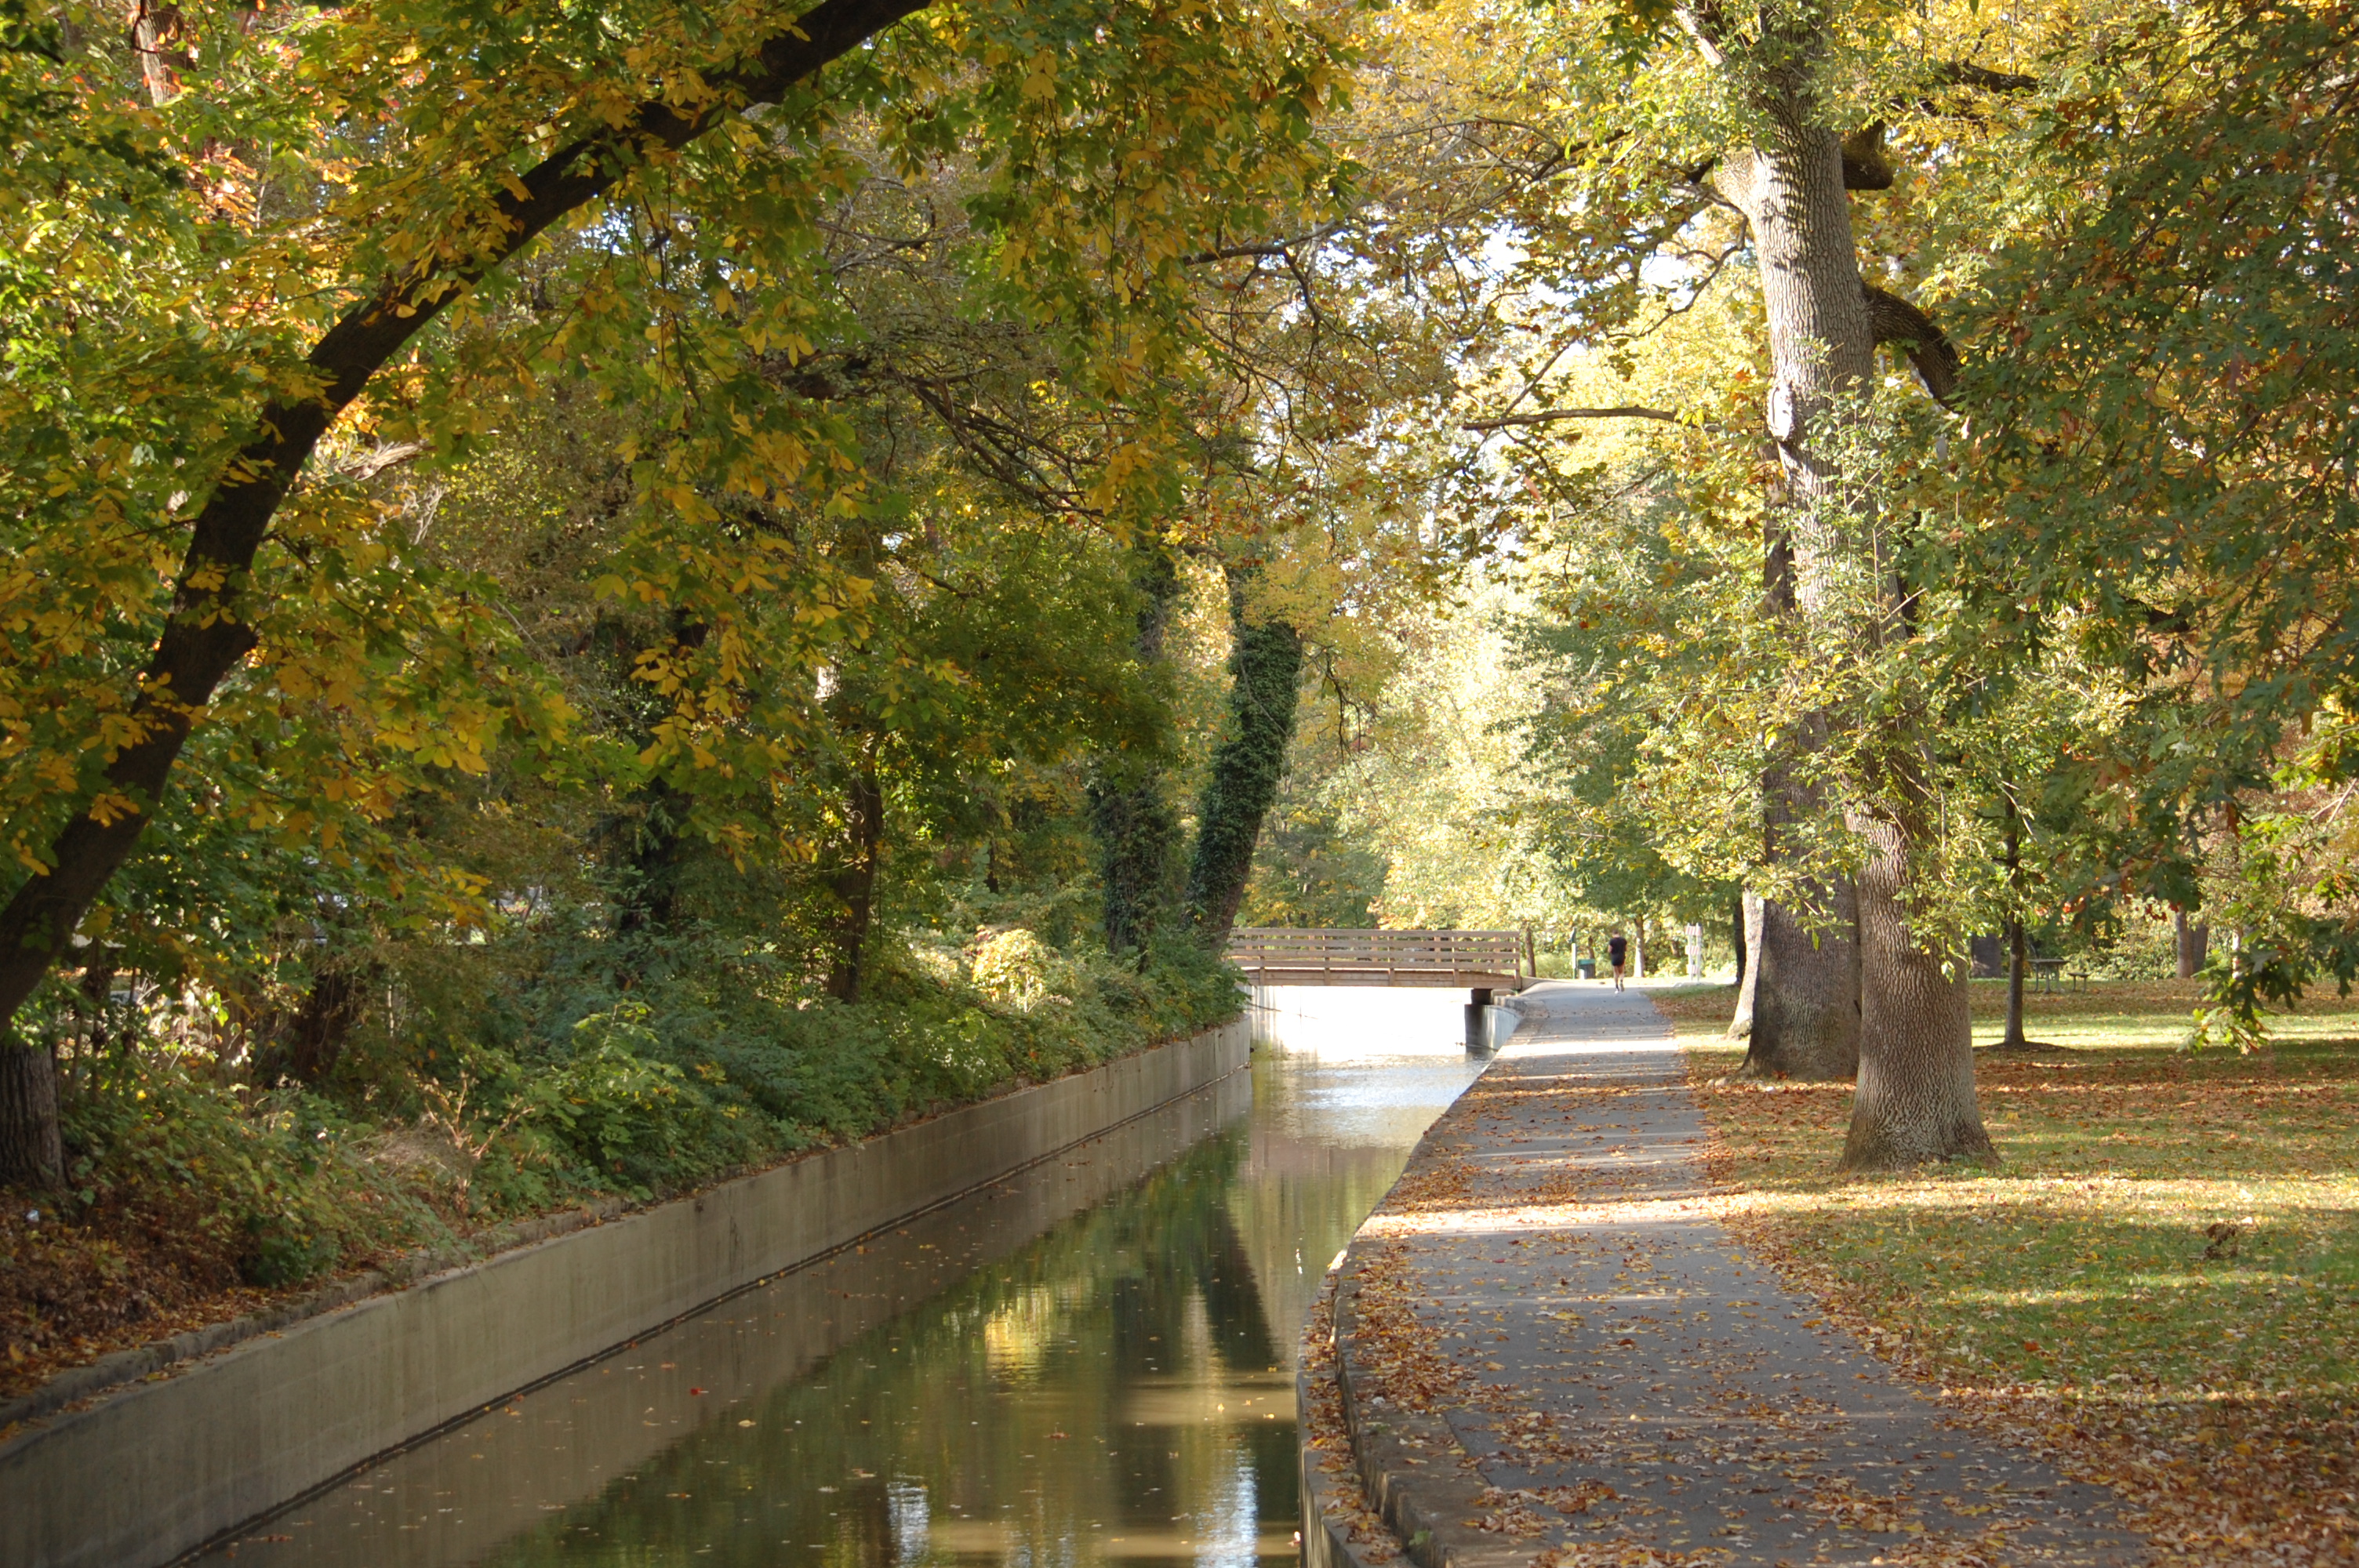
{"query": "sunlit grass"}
{"type": "Point", "coordinates": [2080, 1259]}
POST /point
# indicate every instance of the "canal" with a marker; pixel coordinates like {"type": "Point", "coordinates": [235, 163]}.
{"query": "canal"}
{"type": "Point", "coordinates": [1089, 1362]}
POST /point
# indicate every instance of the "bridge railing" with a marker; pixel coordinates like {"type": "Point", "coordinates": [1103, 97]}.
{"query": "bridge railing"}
{"type": "Point", "coordinates": [1277, 955]}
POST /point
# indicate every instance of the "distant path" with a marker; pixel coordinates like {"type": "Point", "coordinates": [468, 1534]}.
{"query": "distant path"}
{"type": "Point", "coordinates": [1544, 1342]}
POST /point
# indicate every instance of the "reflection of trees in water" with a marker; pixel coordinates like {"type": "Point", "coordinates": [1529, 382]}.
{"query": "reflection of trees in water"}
{"type": "Point", "coordinates": [1070, 1385]}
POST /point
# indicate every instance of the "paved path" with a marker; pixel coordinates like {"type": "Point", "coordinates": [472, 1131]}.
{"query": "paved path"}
{"type": "Point", "coordinates": [1544, 1342]}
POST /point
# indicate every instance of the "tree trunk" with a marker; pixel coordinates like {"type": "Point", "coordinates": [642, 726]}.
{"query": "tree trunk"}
{"type": "Point", "coordinates": [1139, 841]}
{"type": "Point", "coordinates": [154, 31]}
{"type": "Point", "coordinates": [2194, 945]}
{"type": "Point", "coordinates": [1914, 1041]}
{"type": "Point", "coordinates": [32, 1152]}
{"type": "Point", "coordinates": [316, 1038]}
{"type": "Point", "coordinates": [1268, 669]}
{"type": "Point", "coordinates": [1806, 994]}
{"type": "Point", "coordinates": [1747, 924]}
{"type": "Point", "coordinates": [2016, 955]}
{"type": "Point", "coordinates": [2015, 965]}
{"type": "Point", "coordinates": [1916, 1097]}
{"type": "Point", "coordinates": [1138, 831]}
{"type": "Point", "coordinates": [854, 883]}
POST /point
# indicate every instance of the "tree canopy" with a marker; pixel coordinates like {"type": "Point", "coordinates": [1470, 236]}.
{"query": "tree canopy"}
{"type": "Point", "coordinates": [730, 515]}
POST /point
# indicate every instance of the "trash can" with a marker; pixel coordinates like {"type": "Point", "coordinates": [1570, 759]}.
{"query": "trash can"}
{"type": "Point", "coordinates": [1588, 967]}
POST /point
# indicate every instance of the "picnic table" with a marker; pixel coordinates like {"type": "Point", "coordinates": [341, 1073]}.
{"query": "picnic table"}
{"type": "Point", "coordinates": [2048, 975]}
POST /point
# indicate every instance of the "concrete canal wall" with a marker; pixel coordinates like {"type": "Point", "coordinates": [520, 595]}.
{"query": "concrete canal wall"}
{"type": "Point", "coordinates": [155, 1469]}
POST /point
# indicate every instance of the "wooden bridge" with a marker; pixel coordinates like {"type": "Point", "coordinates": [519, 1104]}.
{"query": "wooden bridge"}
{"type": "Point", "coordinates": [1480, 961]}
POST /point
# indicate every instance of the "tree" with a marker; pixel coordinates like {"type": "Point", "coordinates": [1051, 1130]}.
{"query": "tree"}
{"type": "Point", "coordinates": [330, 238]}
{"type": "Point", "coordinates": [1246, 765]}
{"type": "Point", "coordinates": [2162, 422]}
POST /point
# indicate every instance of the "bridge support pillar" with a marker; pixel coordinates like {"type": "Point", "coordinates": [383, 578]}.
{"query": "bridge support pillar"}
{"type": "Point", "coordinates": [1477, 1038]}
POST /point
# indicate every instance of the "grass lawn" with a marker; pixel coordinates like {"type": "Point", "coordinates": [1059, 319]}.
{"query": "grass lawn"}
{"type": "Point", "coordinates": [2065, 1294]}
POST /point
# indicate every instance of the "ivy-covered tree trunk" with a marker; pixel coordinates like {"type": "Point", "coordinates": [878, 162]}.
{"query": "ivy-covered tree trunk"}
{"type": "Point", "coordinates": [1138, 851]}
{"type": "Point", "coordinates": [853, 883]}
{"type": "Point", "coordinates": [1131, 815]}
{"type": "Point", "coordinates": [1267, 672]}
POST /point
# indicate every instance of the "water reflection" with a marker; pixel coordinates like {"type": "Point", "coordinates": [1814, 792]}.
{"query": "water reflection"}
{"type": "Point", "coordinates": [1089, 1363]}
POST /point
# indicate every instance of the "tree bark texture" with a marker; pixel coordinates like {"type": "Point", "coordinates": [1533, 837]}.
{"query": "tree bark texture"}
{"type": "Point", "coordinates": [1747, 932]}
{"type": "Point", "coordinates": [1806, 999]}
{"type": "Point", "coordinates": [2017, 963]}
{"type": "Point", "coordinates": [208, 630]}
{"type": "Point", "coordinates": [2195, 943]}
{"type": "Point", "coordinates": [28, 1119]}
{"type": "Point", "coordinates": [1266, 671]}
{"type": "Point", "coordinates": [1131, 815]}
{"type": "Point", "coordinates": [1914, 1040]}
{"type": "Point", "coordinates": [1806, 994]}
{"type": "Point", "coordinates": [1915, 1103]}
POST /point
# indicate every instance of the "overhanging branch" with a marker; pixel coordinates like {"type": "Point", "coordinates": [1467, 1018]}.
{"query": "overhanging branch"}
{"type": "Point", "coordinates": [210, 628]}
{"type": "Point", "coordinates": [1901, 325]}
{"type": "Point", "coordinates": [1550, 416]}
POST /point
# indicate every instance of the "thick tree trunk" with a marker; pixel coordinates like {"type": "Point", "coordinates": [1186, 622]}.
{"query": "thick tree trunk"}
{"type": "Point", "coordinates": [2194, 945]}
{"type": "Point", "coordinates": [1916, 1097]}
{"type": "Point", "coordinates": [1268, 669]}
{"type": "Point", "coordinates": [1138, 842]}
{"type": "Point", "coordinates": [1747, 931]}
{"type": "Point", "coordinates": [1806, 997]}
{"type": "Point", "coordinates": [1915, 1049]}
{"type": "Point", "coordinates": [32, 1151]}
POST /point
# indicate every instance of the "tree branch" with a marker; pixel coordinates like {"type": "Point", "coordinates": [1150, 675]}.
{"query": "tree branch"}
{"type": "Point", "coordinates": [1549, 416]}
{"type": "Point", "coordinates": [1265, 249]}
{"type": "Point", "coordinates": [1965, 74]}
{"type": "Point", "coordinates": [210, 629]}
{"type": "Point", "coordinates": [1896, 321]}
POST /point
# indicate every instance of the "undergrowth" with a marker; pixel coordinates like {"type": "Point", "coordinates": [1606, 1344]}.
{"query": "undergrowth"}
{"type": "Point", "coordinates": [196, 1191]}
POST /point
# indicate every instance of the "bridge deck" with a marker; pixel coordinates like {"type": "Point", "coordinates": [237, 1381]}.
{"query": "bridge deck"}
{"type": "Point", "coordinates": [1468, 960]}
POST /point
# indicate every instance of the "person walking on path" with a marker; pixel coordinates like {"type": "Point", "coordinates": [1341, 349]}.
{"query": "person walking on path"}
{"type": "Point", "coordinates": [1545, 1349]}
{"type": "Point", "coordinates": [1618, 950]}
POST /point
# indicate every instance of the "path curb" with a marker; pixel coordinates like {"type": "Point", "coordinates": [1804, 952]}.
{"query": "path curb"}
{"type": "Point", "coordinates": [1424, 1500]}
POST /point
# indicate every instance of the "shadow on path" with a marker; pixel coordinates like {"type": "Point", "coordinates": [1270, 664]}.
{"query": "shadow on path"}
{"type": "Point", "coordinates": [1544, 1342]}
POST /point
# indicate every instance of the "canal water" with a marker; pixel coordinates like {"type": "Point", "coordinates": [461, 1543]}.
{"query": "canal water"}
{"type": "Point", "coordinates": [1090, 1362]}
